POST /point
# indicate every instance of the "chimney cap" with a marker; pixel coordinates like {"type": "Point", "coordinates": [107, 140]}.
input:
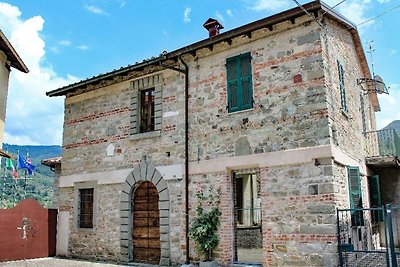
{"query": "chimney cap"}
{"type": "Point", "coordinates": [212, 23]}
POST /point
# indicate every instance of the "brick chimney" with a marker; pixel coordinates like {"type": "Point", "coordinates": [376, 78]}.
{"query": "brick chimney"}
{"type": "Point", "coordinates": [213, 27]}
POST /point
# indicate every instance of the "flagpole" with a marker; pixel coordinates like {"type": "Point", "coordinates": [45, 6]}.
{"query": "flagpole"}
{"type": "Point", "coordinates": [4, 186]}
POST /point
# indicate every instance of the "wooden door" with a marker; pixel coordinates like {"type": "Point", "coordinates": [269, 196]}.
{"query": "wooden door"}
{"type": "Point", "coordinates": [146, 224]}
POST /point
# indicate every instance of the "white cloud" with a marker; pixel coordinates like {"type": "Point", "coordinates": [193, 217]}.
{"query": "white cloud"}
{"type": "Point", "coordinates": [389, 106]}
{"type": "Point", "coordinates": [355, 11]}
{"type": "Point", "coordinates": [229, 12]}
{"type": "Point", "coordinates": [270, 5]}
{"type": "Point", "coordinates": [83, 47]}
{"type": "Point", "coordinates": [32, 117]}
{"type": "Point", "coordinates": [186, 14]}
{"type": "Point", "coordinates": [122, 3]}
{"type": "Point", "coordinates": [219, 16]}
{"type": "Point", "coordinates": [96, 10]}
{"type": "Point", "coordinates": [383, 1]}
{"type": "Point", "coordinates": [394, 51]}
{"type": "Point", "coordinates": [64, 42]}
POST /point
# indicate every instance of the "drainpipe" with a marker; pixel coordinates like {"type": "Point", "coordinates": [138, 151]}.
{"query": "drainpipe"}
{"type": "Point", "coordinates": [186, 72]}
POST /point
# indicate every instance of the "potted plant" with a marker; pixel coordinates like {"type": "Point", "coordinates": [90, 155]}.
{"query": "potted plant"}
{"type": "Point", "coordinates": [205, 225]}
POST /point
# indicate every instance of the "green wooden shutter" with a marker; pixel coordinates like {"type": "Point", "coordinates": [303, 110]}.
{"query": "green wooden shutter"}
{"type": "Point", "coordinates": [232, 85]}
{"type": "Point", "coordinates": [239, 83]}
{"type": "Point", "coordinates": [355, 196]}
{"type": "Point", "coordinates": [246, 81]}
{"type": "Point", "coordinates": [342, 87]}
{"type": "Point", "coordinates": [375, 197]}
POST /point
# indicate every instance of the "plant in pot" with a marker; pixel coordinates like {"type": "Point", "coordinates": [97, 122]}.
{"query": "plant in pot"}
{"type": "Point", "coordinates": [205, 225]}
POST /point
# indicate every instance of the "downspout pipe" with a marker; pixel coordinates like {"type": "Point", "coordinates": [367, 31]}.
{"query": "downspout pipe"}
{"type": "Point", "coordinates": [186, 72]}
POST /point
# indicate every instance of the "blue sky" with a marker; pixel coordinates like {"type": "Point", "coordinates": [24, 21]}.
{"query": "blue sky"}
{"type": "Point", "coordinates": [65, 41]}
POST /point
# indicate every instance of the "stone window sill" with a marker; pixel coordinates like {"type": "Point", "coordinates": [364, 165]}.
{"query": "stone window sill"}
{"type": "Point", "coordinates": [240, 111]}
{"type": "Point", "coordinates": [145, 135]}
{"type": "Point", "coordinates": [87, 230]}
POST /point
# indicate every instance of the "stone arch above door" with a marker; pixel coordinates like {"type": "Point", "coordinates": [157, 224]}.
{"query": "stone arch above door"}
{"type": "Point", "coordinates": [141, 173]}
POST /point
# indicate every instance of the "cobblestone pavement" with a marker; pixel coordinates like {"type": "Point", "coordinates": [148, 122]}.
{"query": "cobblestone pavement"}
{"type": "Point", "coordinates": [56, 262]}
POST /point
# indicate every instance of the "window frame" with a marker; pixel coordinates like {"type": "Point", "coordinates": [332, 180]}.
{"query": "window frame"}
{"type": "Point", "coordinates": [375, 198]}
{"type": "Point", "coordinates": [137, 86]}
{"type": "Point", "coordinates": [77, 204]}
{"type": "Point", "coordinates": [342, 87]}
{"type": "Point", "coordinates": [357, 216]}
{"type": "Point", "coordinates": [86, 195]}
{"type": "Point", "coordinates": [146, 123]}
{"type": "Point", "coordinates": [239, 93]}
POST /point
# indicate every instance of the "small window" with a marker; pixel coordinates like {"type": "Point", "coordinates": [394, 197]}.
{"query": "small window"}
{"type": "Point", "coordinates": [86, 208]}
{"type": "Point", "coordinates": [147, 98]}
{"type": "Point", "coordinates": [342, 87]}
{"type": "Point", "coordinates": [357, 218]}
{"type": "Point", "coordinates": [239, 83]}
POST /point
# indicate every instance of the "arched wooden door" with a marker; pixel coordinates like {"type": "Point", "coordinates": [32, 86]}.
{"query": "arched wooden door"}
{"type": "Point", "coordinates": [146, 224]}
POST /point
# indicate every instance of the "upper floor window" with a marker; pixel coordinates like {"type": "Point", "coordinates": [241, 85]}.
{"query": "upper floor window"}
{"type": "Point", "coordinates": [342, 88]}
{"type": "Point", "coordinates": [147, 104]}
{"type": "Point", "coordinates": [239, 82]}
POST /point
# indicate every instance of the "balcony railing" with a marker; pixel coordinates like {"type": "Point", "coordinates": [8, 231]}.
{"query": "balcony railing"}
{"type": "Point", "coordinates": [383, 143]}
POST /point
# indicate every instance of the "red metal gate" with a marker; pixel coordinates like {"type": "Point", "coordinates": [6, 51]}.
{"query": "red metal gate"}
{"type": "Point", "coordinates": [27, 231]}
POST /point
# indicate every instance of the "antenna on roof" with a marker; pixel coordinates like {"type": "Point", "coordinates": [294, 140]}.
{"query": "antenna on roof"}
{"type": "Point", "coordinates": [375, 84]}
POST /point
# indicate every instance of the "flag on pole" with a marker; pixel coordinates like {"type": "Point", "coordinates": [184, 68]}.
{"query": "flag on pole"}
{"type": "Point", "coordinates": [10, 166]}
{"type": "Point", "coordinates": [23, 164]}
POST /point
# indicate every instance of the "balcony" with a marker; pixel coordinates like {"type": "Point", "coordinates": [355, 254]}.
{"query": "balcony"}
{"type": "Point", "coordinates": [383, 148]}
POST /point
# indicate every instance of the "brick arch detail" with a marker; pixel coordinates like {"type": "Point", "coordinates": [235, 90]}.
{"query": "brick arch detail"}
{"type": "Point", "coordinates": [141, 173]}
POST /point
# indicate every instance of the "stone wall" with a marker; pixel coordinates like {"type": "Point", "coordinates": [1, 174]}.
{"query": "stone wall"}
{"type": "Point", "coordinates": [347, 127]}
{"type": "Point", "coordinates": [290, 109]}
{"type": "Point", "coordinates": [96, 119]}
{"type": "Point", "coordinates": [102, 242]}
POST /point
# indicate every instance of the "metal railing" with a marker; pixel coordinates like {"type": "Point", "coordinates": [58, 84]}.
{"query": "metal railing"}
{"type": "Point", "coordinates": [383, 143]}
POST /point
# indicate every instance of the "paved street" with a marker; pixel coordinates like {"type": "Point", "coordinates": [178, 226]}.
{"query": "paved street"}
{"type": "Point", "coordinates": [55, 262]}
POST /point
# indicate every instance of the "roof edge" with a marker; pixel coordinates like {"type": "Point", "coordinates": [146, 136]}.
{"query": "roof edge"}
{"type": "Point", "coordinates": [12, 55]}
{"type": "Point", "coordinates": [226, 36]}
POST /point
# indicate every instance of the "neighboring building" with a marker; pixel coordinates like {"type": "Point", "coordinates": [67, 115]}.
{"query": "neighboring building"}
{"type": "Point", "coordinates": [8, 58]}
{"type": "Point", "coordinates": [270, 111]}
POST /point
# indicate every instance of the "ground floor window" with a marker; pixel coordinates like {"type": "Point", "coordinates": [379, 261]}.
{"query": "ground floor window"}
{"type": "Point", "coordinates": [247, 216]}
{"type": "Point", "coordinates": [86, 208]}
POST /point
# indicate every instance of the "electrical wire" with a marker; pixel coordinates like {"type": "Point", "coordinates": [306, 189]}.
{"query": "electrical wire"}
{"type": "Point", "coordinates": [333, 7]}
{"type": "Point", "coordinates": [380, 15]}
{"type": "Point", "coordinates": [308, 13]}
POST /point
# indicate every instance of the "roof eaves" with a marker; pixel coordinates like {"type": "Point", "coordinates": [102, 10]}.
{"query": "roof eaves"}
{"type": "Point", "coordinates": [52, 162]}
{"type": "Point", "coordinates": [12, 55]}
{"type": "Point", "coordinates": [262, 23]}
{"type": "Point", "coordinates": [5, 154]}
{"type": "Point", "coordinates": [122, 70]}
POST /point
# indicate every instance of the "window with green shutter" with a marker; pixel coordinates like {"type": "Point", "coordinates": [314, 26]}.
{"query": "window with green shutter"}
{"type": "Point", "coordinates": [239, 82]}
{"type": "Point", "coordinates": [375, 198]}
{"type": "Point", "coordinates": [357, 218]}
{"type": "Point", "coordinates": [342, 87]}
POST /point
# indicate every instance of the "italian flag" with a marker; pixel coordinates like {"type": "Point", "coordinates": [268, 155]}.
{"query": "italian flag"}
{"type": "Point", "coordinates": [10, 166]}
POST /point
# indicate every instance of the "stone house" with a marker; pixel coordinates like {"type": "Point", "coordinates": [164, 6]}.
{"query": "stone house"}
{"type": "Point", "coordinates": [271, 112]}
{"type": "Point", "coordinates": [8, 58]}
